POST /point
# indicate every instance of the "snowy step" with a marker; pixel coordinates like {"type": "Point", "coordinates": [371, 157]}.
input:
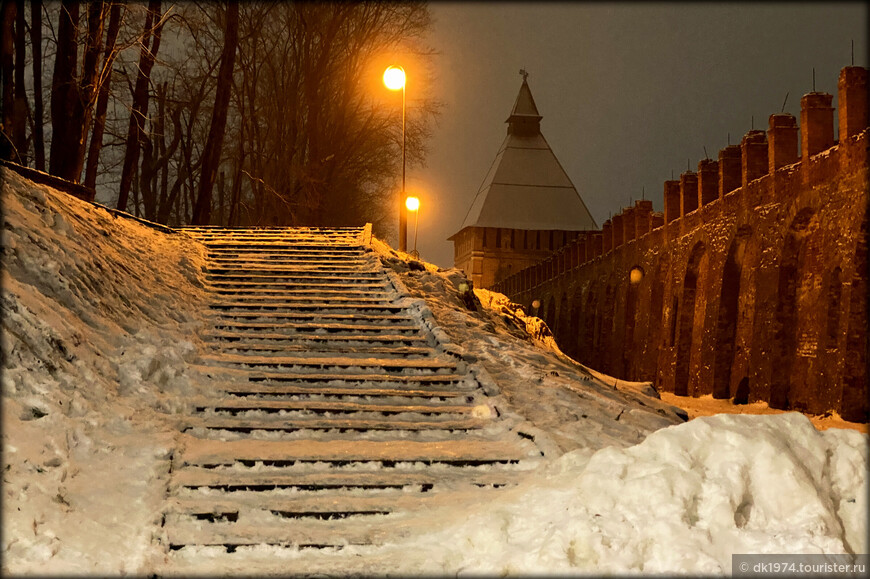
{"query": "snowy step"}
{"type": "Point", "coordinates": [353, 340]}
{"type": "Point", "coordinates": [313, 534]}
{"type": "Point", "coordinates": [228, 247]}
{"type": "Point", "coordinates": [332, 362]}
{"type": "Point", "coordinates": [236, 405]}
{"type": "Point", "coordinates": [335, 378]}
{"type": "Point", "coordinates": [320, 350]}
{"type": "Point", "coordinates": [283, 243]}
{"type": "Point", "coordinates": [332, 328]}
{"type": "Point", "coordinates": [296, 315]}
{"type": "Point", "coordinates": [201, 452]}
{"type": "Point", "coordinates": [232, 480]}
{"type": "Point", "coordinates": [356, 276]}
{"type": "Point", "coordinates": [287, 285]}
{"type": "Point", "coordinates": [302, 291]}
{"type": "Point", "coordinates": [247, 425]}
{"type": "Point", "coordinates": [270, 302]}
{"type": "Point", "coordinates": [215, 262]}
{"type": "Point", "coordinates": [271, 390]}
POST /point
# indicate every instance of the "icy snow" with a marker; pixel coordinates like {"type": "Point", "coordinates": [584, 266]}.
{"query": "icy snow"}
{"type": "Point", "coordinates": [100, 345]}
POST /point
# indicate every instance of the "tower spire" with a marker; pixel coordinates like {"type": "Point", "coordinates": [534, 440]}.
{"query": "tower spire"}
{"type": "Point", "coordinates": [525, 118]}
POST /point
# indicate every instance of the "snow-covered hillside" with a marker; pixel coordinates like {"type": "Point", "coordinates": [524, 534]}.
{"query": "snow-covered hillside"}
{"type": "Point", "coordinates": [100, 322]}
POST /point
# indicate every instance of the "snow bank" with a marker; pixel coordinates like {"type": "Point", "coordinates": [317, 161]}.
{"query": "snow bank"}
{"type": "Point", "coordinates": [564, 404]}
{"type": "Point", "coordinates": [98, 313]}
{"type": "Point", "coordinates": [682, 501]}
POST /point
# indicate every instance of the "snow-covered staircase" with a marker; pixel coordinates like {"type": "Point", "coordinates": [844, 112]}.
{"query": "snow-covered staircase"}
{"type": "Point", "coordinates": [339, 409]}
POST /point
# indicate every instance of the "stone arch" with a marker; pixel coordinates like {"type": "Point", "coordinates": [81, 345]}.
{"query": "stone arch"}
{"type": "Point", "coordinates": [562, 319]}
{"type": "Point", "coordinates": [657, 305]}
{"type": "Point", "coordinates": [631, 294]}
{"type": "Point", "coordinates": [573, 331]}
{"type": "Point", "coordinates": [832, 318]}
{"type": "Point", "coordinates": [686, 324]}
{"type": "Point", "coordinates": [726, 323]}
{"type": "Point", "coordinates": [786, 314]}
{"type": "Point", "coordinates": [550, 313]}
{"type": "Point", "coordinates": [741, 394]}
{"type": "Point", "coordinates": [853, 401]}
{"type": "Point", "coordinates": [588, 328]}
{"type": "Point", "coordinates": [604, 342]}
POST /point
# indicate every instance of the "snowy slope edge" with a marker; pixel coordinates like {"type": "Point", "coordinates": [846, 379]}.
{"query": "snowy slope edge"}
{"type": "Point", "coordinates": [98, 314]}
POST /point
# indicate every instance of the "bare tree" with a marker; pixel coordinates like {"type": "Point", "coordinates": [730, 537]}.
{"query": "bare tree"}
{"type": "Point", "coordinates": [64, 94]}
{"type": "Point", "coordinates": [38, 113]}
{"type": "Point", "coordinates": [7, 84]}
{"type": "Point", "coordinates": [147, 55]}
{"type": "Point", "coordinates": [109, 53]}
{"type": "Point", "coordinates": [213, 146]}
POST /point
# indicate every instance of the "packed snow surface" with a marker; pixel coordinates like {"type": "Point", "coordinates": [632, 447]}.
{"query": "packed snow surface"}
{"type": "Point", "coordinates": [100, 347]}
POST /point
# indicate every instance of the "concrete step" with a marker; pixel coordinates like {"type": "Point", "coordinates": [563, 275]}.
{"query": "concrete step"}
{"type": "Point", "coordinates": [334, 378]}
{"type": "Point", "coordinates": [201, 452]}
{"type": "Point", "coordinates": [341, 424]}
{"type": "Point", "coordinates": [388, 364]}
{"type": "Point", "coordinates": [237, 405]}
{"type": "Point", "coordinates": [230, 480]}
{"type": "Point", "coordinates": [323, 350]}
{"type": "Point", "coordinates": [351, 340]}
{"type": "Point", "coordinates": [296, 315]}
{"type": "Point", "coordinates": [352, 329]}
{"type": "Point", "coordinates": [284, 390]}
{"type": "Point", "coordinates": [315, 277]}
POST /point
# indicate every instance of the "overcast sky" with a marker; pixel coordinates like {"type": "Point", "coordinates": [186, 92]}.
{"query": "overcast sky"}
{"type": "Point", "coordinates": [628, 92]}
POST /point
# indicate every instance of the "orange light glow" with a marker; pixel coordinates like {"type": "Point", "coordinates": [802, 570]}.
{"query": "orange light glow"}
{"type": "Point", "coordinates": [394, 77]}
{"type": "Point", "coordinates": [412, 203]}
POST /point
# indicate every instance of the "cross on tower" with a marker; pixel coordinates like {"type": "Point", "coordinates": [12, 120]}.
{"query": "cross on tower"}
{"type": "Point", "coordinates": [524, 73]}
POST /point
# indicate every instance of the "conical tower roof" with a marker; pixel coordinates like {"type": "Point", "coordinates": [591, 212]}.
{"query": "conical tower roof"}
{"type": "Point", "coordinates": [526, 186]}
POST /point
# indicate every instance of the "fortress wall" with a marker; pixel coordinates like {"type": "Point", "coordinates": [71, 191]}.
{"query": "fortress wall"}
{"type": "Point", "coordinates": [755, 293]}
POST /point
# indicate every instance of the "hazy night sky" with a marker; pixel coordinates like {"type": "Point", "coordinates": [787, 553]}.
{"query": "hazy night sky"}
{"type": "Point", "coordinates": [628, 92]}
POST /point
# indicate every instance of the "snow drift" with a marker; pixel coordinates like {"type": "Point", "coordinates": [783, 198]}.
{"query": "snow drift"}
{"type": "Point", "coordinates": [682, 501]}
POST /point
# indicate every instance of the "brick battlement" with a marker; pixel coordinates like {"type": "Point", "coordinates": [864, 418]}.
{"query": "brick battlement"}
{"type": "Point", "coordinates": [752, 277]}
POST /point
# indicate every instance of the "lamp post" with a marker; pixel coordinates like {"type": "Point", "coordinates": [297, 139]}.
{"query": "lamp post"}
{"type": "Point", "coordinates": [413, 204]}
{"type": "Point", "coordinates": [394, 79]}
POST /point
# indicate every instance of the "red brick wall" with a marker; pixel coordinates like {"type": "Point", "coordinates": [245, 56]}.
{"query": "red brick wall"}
{"type": "Point", "coordinates": [759, 294]}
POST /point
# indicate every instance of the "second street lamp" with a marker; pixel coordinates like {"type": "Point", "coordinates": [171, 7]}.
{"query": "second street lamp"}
{"type": "Point", "coordinates": [394, 79]}
{"type": "Point", "coordinates": [413, 204]}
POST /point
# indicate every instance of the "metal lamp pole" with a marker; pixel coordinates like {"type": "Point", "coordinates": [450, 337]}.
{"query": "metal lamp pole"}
{"type": "Point", "coordinates": [394, 79]}
{"type": "Point", "coordinates": [403, 215]}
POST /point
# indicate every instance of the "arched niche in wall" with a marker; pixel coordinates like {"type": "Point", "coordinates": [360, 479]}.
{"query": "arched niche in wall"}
{"type": "Point", "coordinates": [786, 314]}
{"type": "Point", "coordinates": [589, 326]}
{"type": "Point", "coordinates": [562, 320]}
{"type": "Point", "coordinates": [550, 315]}
{"type": "Point", "coordinates": [686, 324]}
{"type": "Point", "coordinates": [573, 332]}
{"type": "Point", "coordinates": [853, 401]}
{"type": "Point", "coordinates": [727, 317]}
{"type": "Point", "coordinates": [635, 279]}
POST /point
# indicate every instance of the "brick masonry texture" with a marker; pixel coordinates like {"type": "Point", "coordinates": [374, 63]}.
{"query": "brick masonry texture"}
{"type": "Point", "coordinates": [752, 288]}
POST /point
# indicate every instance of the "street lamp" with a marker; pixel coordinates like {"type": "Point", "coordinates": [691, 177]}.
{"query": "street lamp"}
{"type": "Point", "coordinates": [413, 204]}
{"type": "Point", "coordinates": [394, 79]}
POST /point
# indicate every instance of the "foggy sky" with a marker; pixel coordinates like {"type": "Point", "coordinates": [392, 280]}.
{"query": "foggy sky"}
{"type": "Point", "coordinates": [628, 92]}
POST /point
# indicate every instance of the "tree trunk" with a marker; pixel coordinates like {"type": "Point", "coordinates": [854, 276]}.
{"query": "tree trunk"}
{"type": "Point", "coordinates": [89, 80]}
{"type": "Point", "coordinates": [103, 97]}
{"type": "Point", "coordinates": [38, 113]}
{"type": "Point", "coordinates": [7, 85]}
{"type": "Point", "coordinates": [64, 94]}
{"type": "Point", "coordinates": [19, 108]}
{"type": "Point", "coordinates": [140, 101]}
{"type": "Point", "coordinates": [214, 142]}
